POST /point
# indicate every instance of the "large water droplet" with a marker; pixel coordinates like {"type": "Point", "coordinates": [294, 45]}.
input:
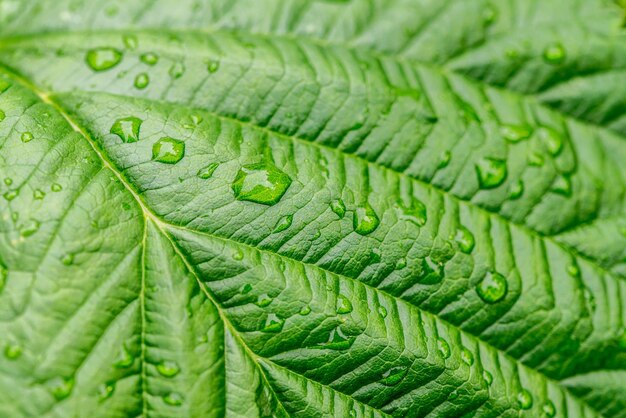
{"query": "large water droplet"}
{"type": "Point", "coordinates": [562, 185]}
{"type": "Point", "coordinates": [344, 306]}
{"type": "Point", "coordinates": [260, 183]}
{"type": "Point", "coordinates": [465, 239]}
{"type": "Point", "coordinates": [549, 410]}
{"type": "Point", "coordinates": [394, 376]}
{"type": "Point", "coordinates": [11, 194]}
{"type": "Point", "coordinates": [515, 133]}
{"type": "Point", "coordinates": [173, 399]}
{"type": "Point", "coordinates": [26, 137]}
{"type": "Point", "coordinates": [149, 58]}
{"type": "Point", "coordinates": [491, 172]}
{"type": "Point", "coordinates": [207, 172]}
{"type": "Point", "coordinates": [492, 288]}
{"type": "Point", "coordinates": [365, 220]}
{"type": "Point", "coordinates": [551, 139]}
{"type": "Point", "coordinates": [283, 223]}
{"type": "Point", "coordinates": [338, 341]}
{"type": "Point", "coordinates": [168, 150]}
{"type": "Point", "coordinates": [168, 368]}
{"type": "Point", "coordinates": [338, 207]}
{"type": "Point", "coordinates": [525, 399]}
{"type": "Point", "coordinates": [61, 388]}
{"type": "Point", "coordinates": [554, 54]}
{"type": "Point", "coordinates": [101, 59]}
{"type": "Point", "coordinates": [273, 323]}
{"type": "Point", "coordinates": [141, 81]}
{"type": "Point", "coordinates": [12, 351]}
{"type": "Point", "coordinates": [444, 348]}
{"type": "Point", "coordinates": [127, 128]}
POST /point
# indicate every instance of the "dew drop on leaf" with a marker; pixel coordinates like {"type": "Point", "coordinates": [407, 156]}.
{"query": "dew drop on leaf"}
{"type": "Point", "coordinates": [29, 228]}
{"type": "Point", "coordinates": [149, 58]}
{"type": "Point", "coordinates": [488, 377]}
{"type": "Point", "coordinates": [12, 351]}
{"type": "Point", "coordinates": [515, 133]}
{"type": "Point", "coordinates": [125, 359]}
{"type": "Point", "coordinates": [168, 368]}
{"type": "Point", "coordinates": [467, 357]}
{"type": "Point", "coordinates": [141, 81]}
{"type": "Point", "coordinates": [401, 263]}
{"type": "Point", "coordinates": [535, 159]}
{"type": "Point", "coordinates": [105, 391]}
{"type": "Point", "coordinates": [127, 129]}
{"type": "Point", "coordinates": [173, 399]}
{"type": "Point", "coordinates": [365, 220]}
{"type": "Point", "coordinates": [338, 207]}
{"type": "Point", "coordinates": [39, 194]}
{"type": "Point", "coordinates": [260, 183]}
{"type": "Point", "coordinates": [432, 271]}
{"type": "Point", "coordinates": [444, 348]}
{"type": "Point", "coordinates": [273, 323]}
{"type": "Point", "coordinates": [554, 54]}
{"type": "Point", "coordinates": [491, 172]}
{"type": "Point", "coordinates": [525, 399]}
{"type": "Point", "coordinates": [238, 255]}
{"type": "Point", "coordinates": [26, 137]}
{"type": "Point", "coordinates": [56, 187]}
{"type": "Point", "coordinates": [382, 311]}
{"type": "Point", "coordinates": [415, 212]}
{"type": "Point", "coordinates": [130, 41]}
{"type": "Point", "coordinates": [551, 139]}
{"type": "Point", "coordinates": [10, 195]}
{"type": "Point", "coordinates": [573, 269]}
{"type": "Point", "coordinates": [61, 388]}
{"type": "Point", "coordinates": [394, 376]}
{"type": "Point", "coordinates": [305, 310]}
{"type": "Point", "coordinates": [549, 410]}
{"type": "Point", "coordinates": [213, 65]}
{"type": "Point", "coordinates": [283, 223]}
{"type": "Point", "coordinates": [68, 259]}
{"type": "Point", "coordinates": [8, 181]}
{"type": "Point", "coordinates": [444, 159]}
{"type": "Point", "coordinates": [264, 300]}
{"type": "Point", "coordinates": [168, 150]}
{"type": "Point", "coordinates": [337, 340]}
{"type": "Point", "coordinates": [562, 185]}
{"type": "Point", "coordinates": [176, 70]}
{"type": "Point", "coordinates": [492, 288]}
{"type": "Point", "coordinates": [344, 306]}
{"type": "Point", "coordinates": [516, 190]}
{"type": "Point", "coordinates": [102, 59]}
{"type": "Point", "coordinates": [207, 172]}
{"type": "Point", "coordinates": [465, 239]}
{"type": "Point", "coordinates": [246, 288]}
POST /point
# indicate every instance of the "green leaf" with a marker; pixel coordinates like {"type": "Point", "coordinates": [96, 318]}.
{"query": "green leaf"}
{"type": "Point", "coordinates": [312, 208]}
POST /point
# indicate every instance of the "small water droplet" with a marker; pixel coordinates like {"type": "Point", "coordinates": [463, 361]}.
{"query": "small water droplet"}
{"type": "Point", "coordinates": [465, 239]}
{"type": "Point", "coordinates": [401, 263]}
{"type": "Point", "coordinates": [173, 399]}
{"type": "Point", "coordinates": [549, 410]}
{"type": "Point", "coordinates": [207, 172]}
{"type": "Point", "coordinates": [264, 300]}
{"type": "Point", "coordinates": [554, 54]}
{"type": "Point", "coordinates": [467, 357]}
{"type": "Point", "coordinates": [491, 172]}
{"type": "Point", "coordinates": [168, 368]}
{"type": "Point", "coordinates": [102, 59]}
{"type": "Point", "coordinates": [338, 207]}
{"type": "Point", "coordinates": [306, 309]}
{"type": "Point", "coordinates": [551, 139]}
{"type": "Point", "coordinates": [492, 288]}
{"type": "Point", "coordinates": [562, 185]}
{"type": "Point", "coordinates": [283, 223]}
{"type": "Point", "coordinates": [238, 255]}
{"type": "Point", "coordinates": [68, 259]}
{"type": "Point", "coordinates": [260, 183]}
{"type": "Point", "coordinates": [125, 359]}
{"type": "Point", "coordinates": [141, 81]}
{"type": "Point", "coordinates": [213, 65]}
{"type": "Point", "coordinates": [414, 212]}
{"type": "Point", "coordinates": [105, 391]}
{"type": "Point", "coordinates": [444, 348]}
{"type": "Point", "coordinates": [444, 159]}
{"type": "Point", "coordinates": [273, 324]}
{"type": "Point", "coordinates": [516, 190]}
{"type": "Point", "coordinates": [382, 311]}
{"type": "Point", "coordinates": [515, 133]}
{"type": "Point", "coordinates": [246, 288]}
{"type": "Point", "coordinates": [149, 58]}
{"type": "Point", "coordinates": [10, 195]}
{"type": "Point", "coordinates": [12, 352]}
{"type": "Point", "coordinates": [29, 228]}
{"type": "Point", "coordinates": [488, 377]}
{"type": "Point", "coordinates": [535, 159]}
{"type": "Point", "coordinates": [432, 271]}
{"type": "Point", "coordinates": [39, 194]}
{"type": "Point", "coordinates": [61, 388]}
{"type": "Point", "coordinates": [177, 70]}
{"type": "Point", "coordinates": [573, 269]}
{"type": "Point", "coordinates": [168, 150]}
{"type": "Point", "coordinates": [365, 220]}
{"type": "Point", "coordinates": [337, 340]}
{"type": "Point", "coordinates": [394, 376]}
{"type": "Point", "coordinates": [26, 137]}
{"type": "Point", "coordinates": [344, 306]}
{"type": "Point", "coordinates": [525, 399]}
{"type": "Point", "coordinates": [56, 187]}
{"type": "Point", "coordinates": [8, 181]}
{"type": "Point", "coordinates": [130, 41]}
{"type": "Point", "coordinates": [127, 129]}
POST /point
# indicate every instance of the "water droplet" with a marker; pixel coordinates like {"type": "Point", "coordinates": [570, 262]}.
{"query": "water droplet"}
{"type": "Point", "coordinates": [141, 81]}
{"type": "Point", "coordinates": [264, 300]}
{"type": "Point", "coordinates": [283, 223]}
{"type": "Point", "coordinates": [401, 263]}
{"type": "Point", "coordinates": [26, 137]}
{"type": "Point", "coordinates": [149, 58]}
{"type": "Point", "coordinates": [130, 41]}
{"type": "Point", "coordinates": [525, 399]}
{"type": "Point", "coordinates": [12, 351]}
{"type": "Point", "coordinates": [465, 239]}
{"type": "Point", "coordinates": [260, 183]}
{"type": "Point", "coordinates": [432, 271]}
{"type": "Point", "coordinates": [39, 194]}
{"type": "Point", "coordinates": [337, 340]}
{"type": "Point", "coordinates": [306, 309]}
{"type": "Point", "coordinates": [535, 159]}
{"type": "Point", "coordinates": [444, 348]}
{"type": "Point", "coordinates": [213, 65]}
{"type": "Point", "coordinates": [168, 150]}
{"type": "Point", "coordinates": [338, 207]}
{"type": "Point", "coordinates": [246, 288]}
{"type": "Point", "coordinates": [177, 70]}
{"type": "Point", "coordinates": [127, 129]}
{"type": "Point", "coordinates": [344, 306]}
{"type": "Point", "coordinates": [488, 377]}
{"type": "Point", "coordinates": [467, 357]}
{"type": "Point", "coordinates": [515, 133]}
{"type": "Point", "coordinates": [68, 259]}
{"type": "Point", "coordinates": [516, 190]}
{"type": "Point", "coordinates": [382, 311]}
{"type": "Point", "coordinates": [273, 323]}
{"type": "Point", "coordinates": [2, 115]}
{"type": "Point", "coordinates": [10, 195]}
{"type": "Point", "coordinates": [102, 59]}
{"type": "Point", "coordinates": [168, 368]}
{"type": "Point", "coordinates": [105, 391]}
{"type": "Point", "coordinates": [173, 399]}
{"type": "Point", "coordinates": [444, 159]}
{"type": "Point", "coordinates": [125, 359]}
{"type": "Point", "coordinates": [573, 269]}
{"type": "Point", "coordinates": [415, 212]}
{"type": "Point", "coordinates": [61, 388]}
{"type": "Point", "coordinates": [551, 139]}
{"type": "Point", "coordinates": [549, 409]}
{"type": "Point", "coordinates": [56, 187]}
{"type": "Point", "coordinates": [238, 255]}
{"type": "Point", "coordinates": [207, 172]}
{"type": "Point", "coordinates": [394, 376]}
{"type": "Point", "coordinates": [365, 220]}
{"type": "Point", "coordinates": [29, 228]}
{"type": "Point", "coordinates": [562, 185]}
{"type": "Point", "coordinates": [8, 181]}
{"type": "Point", "coordinates": [491, 172]}
{"type": "Point", "coordinates": [554, 54]}
{"type": "Point", "coordinates": [492, 288]}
